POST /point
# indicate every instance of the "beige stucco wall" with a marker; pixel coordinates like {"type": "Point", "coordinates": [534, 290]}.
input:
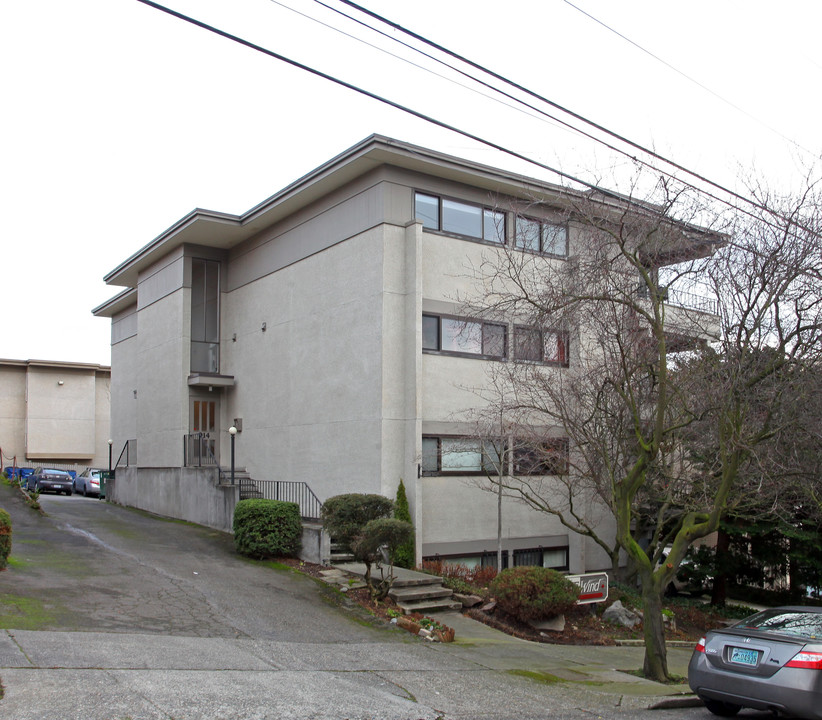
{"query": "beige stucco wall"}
{"type": "Point", "coordinates": [334, 390]}
{"type": "Point", "coordinates": [308, 387]}
{"type": "Point", "coordinates": [12, 413]}
{"type": "Point", "coordinates": [55, 412]}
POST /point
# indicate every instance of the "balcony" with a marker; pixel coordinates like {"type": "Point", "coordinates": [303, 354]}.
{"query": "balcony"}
{"type": "Point", "coordinates": [689, 318]}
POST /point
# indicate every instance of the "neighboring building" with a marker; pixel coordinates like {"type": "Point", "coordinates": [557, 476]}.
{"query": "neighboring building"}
{"type": "Point", "coordinates": [322, 324]}
{"type": "Point", "coordinates": [54, 413]}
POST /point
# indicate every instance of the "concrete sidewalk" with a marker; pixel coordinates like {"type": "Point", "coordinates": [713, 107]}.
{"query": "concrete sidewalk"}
{"type": "Point", "coordinates": [603, 669]}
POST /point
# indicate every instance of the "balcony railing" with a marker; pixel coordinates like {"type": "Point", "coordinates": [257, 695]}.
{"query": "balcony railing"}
{"type": "Point", "coordinates": [692, 301]}
{"type": "Point", "coordinates": [680, 298]}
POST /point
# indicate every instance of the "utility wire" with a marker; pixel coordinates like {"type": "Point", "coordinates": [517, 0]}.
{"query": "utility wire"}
{"type": "Point", "coordinates": [464, 86]}
{"type": "Point", "coordinates": [688, 77]}
{"type": "Point", "coordinates": [573, 114]}
{"type": "Point", "coordinates": [383, 100]}
{"type": "Point", "coordinates": [474, 78]}
{"type": "Point", "coordinates": [429, 119]}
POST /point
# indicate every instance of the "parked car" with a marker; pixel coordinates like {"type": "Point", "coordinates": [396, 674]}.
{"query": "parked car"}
{"type": "Point", "coordinates": [88, 482]}
{"type": "Point", "coordinates": [769, 661]}
{"type": "Point", "coordinates": [43, 479]}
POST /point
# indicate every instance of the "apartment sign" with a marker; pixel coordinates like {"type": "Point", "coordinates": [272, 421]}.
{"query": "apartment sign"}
{"type": "Point", "coordinates": [593, 587]}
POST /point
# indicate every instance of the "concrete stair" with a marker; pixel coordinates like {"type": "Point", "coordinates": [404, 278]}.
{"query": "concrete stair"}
{"type": "Point", "coordinates": [423, 597]}
{"type": "Point", "coordinates": [412, 591]}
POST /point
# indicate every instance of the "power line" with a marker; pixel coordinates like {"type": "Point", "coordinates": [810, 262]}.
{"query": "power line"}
{"type": "Point", "coordinates": [571, 113]}
{"type": "Point", "coordinates": [416, 65]}
{"type": "Point", "coordinates": [380, 98]}
{"type": "Point", "coordinates": [687, 77]}
{"type": "Point", "coordinates": [429, 119]}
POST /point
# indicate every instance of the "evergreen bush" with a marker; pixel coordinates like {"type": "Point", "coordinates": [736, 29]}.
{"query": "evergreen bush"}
{"type": "Point", "coordinates": [267, 528]}
{"type": "Point", "coordinates": [345, 516]}
{"type": "Point", "coordinates": [404, 556]}
{"type": "Point", "coordinates": [533, 593]}
{"type": "Point", "coordinates": [5, 538]}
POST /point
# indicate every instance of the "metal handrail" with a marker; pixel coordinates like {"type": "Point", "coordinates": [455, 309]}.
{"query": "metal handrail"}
{"type": "Point", "coordinates": [203, 457]}
{"type": "Point", "coordinates": [285, 491]}
{"type": "Point", "coordinates": [125, 451]}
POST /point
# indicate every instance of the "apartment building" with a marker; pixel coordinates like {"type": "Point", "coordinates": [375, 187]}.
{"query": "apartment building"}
{"type": "Point", "coordinates": [326, 326]}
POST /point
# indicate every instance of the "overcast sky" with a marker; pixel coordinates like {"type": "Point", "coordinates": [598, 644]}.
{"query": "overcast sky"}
{"type": "Point", "coordinates": [118, 119]}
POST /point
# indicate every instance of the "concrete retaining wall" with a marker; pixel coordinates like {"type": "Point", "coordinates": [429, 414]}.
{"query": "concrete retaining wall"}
{"type": "Point", "coordinates": [192, 494]}
{"type": "Point", "coordinates": [195, 495]}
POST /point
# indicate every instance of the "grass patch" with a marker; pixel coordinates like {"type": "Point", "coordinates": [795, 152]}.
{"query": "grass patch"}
{"type": "Point", "coordinates": [22, 613]}
{"type": "Point", "coordinates": [541, 677]}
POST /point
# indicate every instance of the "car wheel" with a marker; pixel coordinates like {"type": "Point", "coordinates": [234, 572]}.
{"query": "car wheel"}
{"type": "Point", "coordinates": [68, 492]}
{"type": "Point", "coordinates": [723, 709]}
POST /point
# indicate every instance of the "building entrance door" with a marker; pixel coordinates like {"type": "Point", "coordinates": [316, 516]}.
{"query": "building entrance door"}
{"type": "Point", "coordinates": [204, 431]}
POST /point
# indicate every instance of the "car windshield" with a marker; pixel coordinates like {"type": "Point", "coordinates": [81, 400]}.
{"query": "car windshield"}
{"type": "Point", "coordinates": [51, 471]}
{"type": "Point", "coordinates": [786, 622]}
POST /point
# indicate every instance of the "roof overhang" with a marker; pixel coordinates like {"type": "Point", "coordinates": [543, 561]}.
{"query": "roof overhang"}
{"type": "Point", "coordinates": [121, 301]}
{"type": "Point", "coordinates": [224, 231]}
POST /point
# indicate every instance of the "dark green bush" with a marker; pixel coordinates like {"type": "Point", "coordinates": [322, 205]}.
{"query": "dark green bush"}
{"type": "Point", "coordinates": [267, 528]}
{"type": "Point", "coordinates": [404, 556]}
{"type": "Point", "coordinates": [533, 593]}
{"type": "Point", "coordinates": [388, 533]}
{"type": "Point", "coordinates": [5, 538]}
{"type": "Point", "coordinates": [345, 516]}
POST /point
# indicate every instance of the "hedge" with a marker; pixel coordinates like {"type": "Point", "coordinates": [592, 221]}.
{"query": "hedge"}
{"type": "Point", "coordinates": [5, 538]}
{"type": "Point", "coordinates": [267, 528]}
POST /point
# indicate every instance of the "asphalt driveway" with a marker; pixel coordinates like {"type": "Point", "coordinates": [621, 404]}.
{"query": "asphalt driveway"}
{"type": "Point", "coordinates": [107, 612]}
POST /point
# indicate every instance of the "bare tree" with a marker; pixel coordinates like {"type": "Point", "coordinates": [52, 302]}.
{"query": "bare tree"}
{"type": "Point", "coordinates": [647, 359]}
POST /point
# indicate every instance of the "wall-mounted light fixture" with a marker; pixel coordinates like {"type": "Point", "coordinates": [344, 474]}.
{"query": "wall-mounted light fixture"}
{"type": "Point", "coordinates": [60, 382]}
{"type": "Point", "coordinates": [263, 328]}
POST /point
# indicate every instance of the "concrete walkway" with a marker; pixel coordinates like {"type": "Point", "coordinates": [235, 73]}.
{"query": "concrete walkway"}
{"type": "Point", "coordinates": [606, 669]}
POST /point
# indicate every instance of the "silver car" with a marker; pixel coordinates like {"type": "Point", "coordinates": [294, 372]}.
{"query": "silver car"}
{"type": "Point", "coordinates": [769, 661]}
{"type": "Point", "coordinates": [88, 482]}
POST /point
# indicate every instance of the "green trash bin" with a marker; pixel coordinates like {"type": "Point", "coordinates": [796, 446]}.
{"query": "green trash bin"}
{"type": "Point", "coordinates": [105, 476]}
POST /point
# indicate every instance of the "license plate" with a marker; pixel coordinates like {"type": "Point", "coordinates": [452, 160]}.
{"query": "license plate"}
{"type": "Point", "coordinates": [743, 656]}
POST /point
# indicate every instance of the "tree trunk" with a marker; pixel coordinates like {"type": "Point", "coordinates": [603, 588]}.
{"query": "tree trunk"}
{"type": "Point", "coordinates": [656, 654]}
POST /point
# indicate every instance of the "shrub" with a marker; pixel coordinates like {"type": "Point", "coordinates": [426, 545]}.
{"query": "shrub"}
{"type": "Point", "coordinates": [478, 577]}
{"type": "Point", "coordinates": [267, 528]}
{"type": "Point", "coordinates": [404, 555]}
{"type": "Point", "coordinates": [5, 538]}
{"type": "Point", "coordinates": [345, 516]}
{"type": "Point", "coordinates": [533, 593]}
{"type": "Point", "coordinates": [388, 533]}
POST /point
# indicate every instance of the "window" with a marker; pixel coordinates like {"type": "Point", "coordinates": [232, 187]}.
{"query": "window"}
{"type": "Point", "coordinates": [463, 337]}
{"type": "Point", "coordinates": [205, 316]}
{"type": "Point", "coordinates": [549, 457]}
{"type": "Point", "coordinates": [556, 558]}
{"type": "Point", "coordinates": [458, 456]}
{"type": "Point", "coordinates": [539, 236]}
{"type": "Point", "coordinates": [460, 218]}
{"type": "Point", "coordinates": [550, 346]}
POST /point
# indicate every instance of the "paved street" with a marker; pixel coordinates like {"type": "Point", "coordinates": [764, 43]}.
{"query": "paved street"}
{"type": "Point", "coordinates": [112, 614]}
